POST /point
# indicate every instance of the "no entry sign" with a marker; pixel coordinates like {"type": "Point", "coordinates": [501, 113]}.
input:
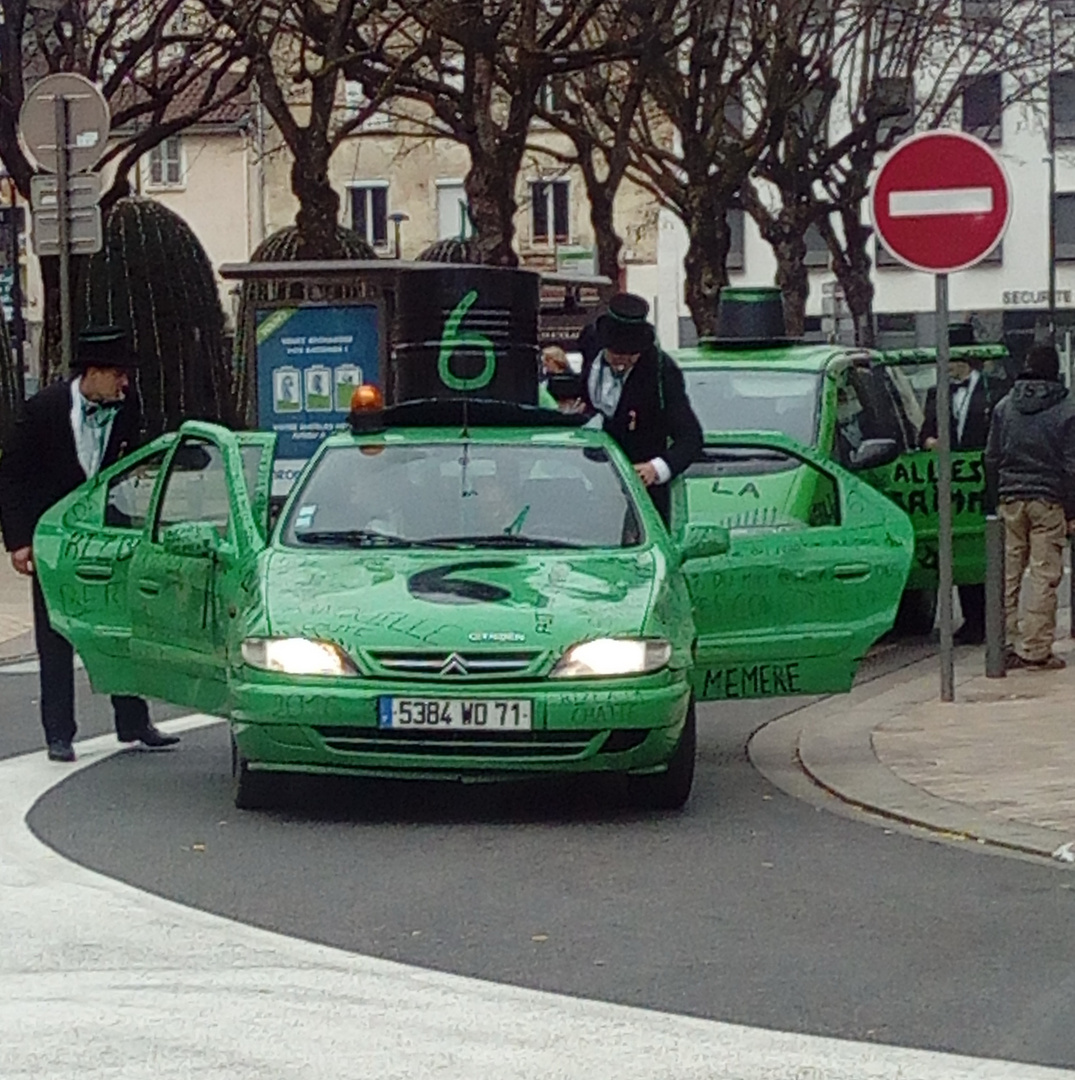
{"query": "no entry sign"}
{"type": "Point", "coordinates": [941, 201]}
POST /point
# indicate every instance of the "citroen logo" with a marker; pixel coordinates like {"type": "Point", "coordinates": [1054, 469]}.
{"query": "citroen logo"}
{"type": "Point", "coordinates": [454, 665]}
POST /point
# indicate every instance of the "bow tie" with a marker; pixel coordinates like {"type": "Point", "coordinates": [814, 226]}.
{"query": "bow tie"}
{"type": "Point", "coordinates": [97, 413]}
{"type": "Point", "coordinates": [965, 384]}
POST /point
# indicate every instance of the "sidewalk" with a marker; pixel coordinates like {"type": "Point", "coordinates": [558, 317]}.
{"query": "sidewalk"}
{"type": "Point", "coordinates": [16, 613]}
{"type": "Point", "coordinates": [995, 766]}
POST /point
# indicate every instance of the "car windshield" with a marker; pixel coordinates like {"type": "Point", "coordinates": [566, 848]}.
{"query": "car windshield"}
{"type": "Point", "coordinates": [727, 399]}
{"type": "Point", "coordinates": [463, 494]}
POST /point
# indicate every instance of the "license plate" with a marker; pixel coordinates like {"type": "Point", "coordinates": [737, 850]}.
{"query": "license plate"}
{"type": "Point", "coordinates": [454, 714]}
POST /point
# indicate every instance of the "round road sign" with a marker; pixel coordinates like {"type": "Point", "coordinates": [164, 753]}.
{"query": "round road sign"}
{"type": "Point", "coordinates": [941, 201]}
{"type": "Point", "coordinates": [88, 122]}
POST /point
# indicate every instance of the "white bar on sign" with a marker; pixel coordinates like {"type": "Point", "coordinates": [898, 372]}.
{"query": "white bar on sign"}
{"type": "Point", "coordinates": [970, 200]}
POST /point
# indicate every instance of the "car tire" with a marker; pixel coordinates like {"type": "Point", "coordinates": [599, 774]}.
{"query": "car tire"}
{"type": "Point", "coordinates": [917, 613]}
{"type": "Point", "coordinates": [250, 790]}
{"type": "Point", "coordinates": [668, 790]}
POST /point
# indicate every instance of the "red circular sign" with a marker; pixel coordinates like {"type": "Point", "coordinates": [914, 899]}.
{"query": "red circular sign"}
{"type": "Point", "coordinates": [941, 201]}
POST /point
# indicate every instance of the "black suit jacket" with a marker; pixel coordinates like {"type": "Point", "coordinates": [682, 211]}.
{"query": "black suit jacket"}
{"type": "Point", "coordinates": [975, 430]}
{"type": "Point", "coordinates": [39, 465]}
{"type": "Point", "coordinates": [654, 417]}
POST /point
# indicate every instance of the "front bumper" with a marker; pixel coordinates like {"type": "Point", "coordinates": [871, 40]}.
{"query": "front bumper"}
{"type": "Point", "coordinates": [627, 725]}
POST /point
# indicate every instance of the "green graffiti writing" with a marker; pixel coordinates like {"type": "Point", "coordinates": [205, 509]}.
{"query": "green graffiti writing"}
{"type": "Point", "coordinates": [452, 339]}
{"type": "Point", "coordinates": [757, 680]}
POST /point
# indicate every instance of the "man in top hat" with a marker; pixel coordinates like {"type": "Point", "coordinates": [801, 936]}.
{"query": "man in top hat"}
{"type": "Point", "coordinates": [67, 433]}
{"type": "Point", "coordinates": [639, 393]}
{"type": "Point", "coordinates": [972, 403]}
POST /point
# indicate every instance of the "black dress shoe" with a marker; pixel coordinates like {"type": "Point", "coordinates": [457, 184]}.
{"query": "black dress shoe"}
{"type": "Point", "coordinates": [61, 751]}
{"type": "Point", "coordinates": [152, 737]}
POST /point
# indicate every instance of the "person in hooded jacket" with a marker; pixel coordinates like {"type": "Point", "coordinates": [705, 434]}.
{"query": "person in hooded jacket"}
{"type": "Point", "coordinates": [1030, 481]}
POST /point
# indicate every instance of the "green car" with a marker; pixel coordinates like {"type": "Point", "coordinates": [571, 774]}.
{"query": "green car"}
{"type": "Point", "coordinates": [475, 604]}
{"type": "Point", "coordinates": [863, 410]}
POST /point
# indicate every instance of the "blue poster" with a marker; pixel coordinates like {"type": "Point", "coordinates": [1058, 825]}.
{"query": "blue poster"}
{"type": "Point", "coordinates": [309, 361]}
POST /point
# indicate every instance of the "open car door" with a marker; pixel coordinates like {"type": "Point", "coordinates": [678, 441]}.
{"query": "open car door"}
{"type": "Point", "coordinates": [258, 451]}
{"type": "Point", "coordinates": [812, 576]}
{"type": "Point", "coordinates": [83, 550]}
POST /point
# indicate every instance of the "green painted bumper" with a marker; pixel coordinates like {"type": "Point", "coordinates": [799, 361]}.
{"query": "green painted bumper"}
{"type": "Point", "coordinates": [630, 726]}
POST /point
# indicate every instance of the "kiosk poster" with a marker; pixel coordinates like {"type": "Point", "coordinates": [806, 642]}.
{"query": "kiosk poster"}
{"type": "Point", "coordinates": [309, 361]}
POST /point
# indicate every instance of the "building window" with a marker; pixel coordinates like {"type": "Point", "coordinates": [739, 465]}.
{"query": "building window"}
{"type": "Point", "coordinates": [817, 251]}
{"type": "Point", "coordinates": [982, 107]}
{"type": "Point", "coordinates": [453, 217]}
{"type": "Point", "coordinates": [166, 163]}
{"type": "Point", "coordinates": [737, 225]}
{"type": "Point", "coordinates": [1062, 103]}
{"type": "Point", "coordinates": [550, 211]}
{"type": "Point", "coordinates": [894, 100]}
{"type": "Point", "coordinates": [369, 212]}
{"type": "Point", "coordinates": [1065, 225]}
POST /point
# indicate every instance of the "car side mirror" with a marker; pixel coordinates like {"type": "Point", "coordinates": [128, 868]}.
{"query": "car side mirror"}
{"type": "Point", "coordinates": [192, 539]}
{"type": "Point", "coordinates": [704, 541]}
{"type": "Point", "coordinates": [873, 453]}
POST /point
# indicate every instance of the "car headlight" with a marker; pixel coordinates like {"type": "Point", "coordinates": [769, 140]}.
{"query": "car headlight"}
{"type": "Point", "coordinates": [297, 656]}
{"type": "Point", "coordinates": [612, 656]}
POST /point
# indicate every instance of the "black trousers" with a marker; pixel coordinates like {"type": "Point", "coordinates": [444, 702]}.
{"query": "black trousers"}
{"type": "Point", "coordinates": [57, 660]}
{"type": "Point", "coordinates": [972, 603]}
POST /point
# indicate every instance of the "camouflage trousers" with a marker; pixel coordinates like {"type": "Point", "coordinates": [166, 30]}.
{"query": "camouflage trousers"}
{"type": "Point", "coordinates": [1035, 533]}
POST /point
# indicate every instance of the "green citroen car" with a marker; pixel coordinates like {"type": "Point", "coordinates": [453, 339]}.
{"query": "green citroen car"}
{"type": "Point", "coordinates": [860, 409]}
{"type": "Point", "coordinates": [475, 603]}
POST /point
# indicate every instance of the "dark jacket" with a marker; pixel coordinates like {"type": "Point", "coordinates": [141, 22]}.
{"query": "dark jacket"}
{"type": "Point", "coordinates": [976, 428]}
{"type": "Point", "coordinates": [1031, 449]}
{"type": "Point", "coordinates": [39, 465]}
{"type": "Point", "coordinates": [654, 417]}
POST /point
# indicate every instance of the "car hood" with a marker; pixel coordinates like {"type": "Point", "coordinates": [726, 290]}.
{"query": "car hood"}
{"type": "Point", "coordinates": [472, 598]}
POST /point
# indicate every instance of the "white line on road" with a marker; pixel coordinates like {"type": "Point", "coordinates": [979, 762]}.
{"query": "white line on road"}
{"type": "Point", "coordinates": [972, 200]}
{"type": "Point", "coordinates": [100, 980]}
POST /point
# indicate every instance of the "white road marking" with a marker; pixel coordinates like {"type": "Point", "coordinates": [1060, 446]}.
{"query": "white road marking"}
{"type": "Point", "coordinates": [101, 981]}
{"type": "Point", "coordinates": [971, 200]}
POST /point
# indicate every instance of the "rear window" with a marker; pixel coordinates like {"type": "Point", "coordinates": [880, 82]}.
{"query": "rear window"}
{"type": "Point", "coordinates": [756, 400]}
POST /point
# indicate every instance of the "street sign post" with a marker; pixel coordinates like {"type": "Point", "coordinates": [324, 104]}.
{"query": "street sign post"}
{"type": "Point", "coordinates": [940, 203]}
{"type": "Point", "coordinates": [86, 235]}
{"type": "Point", "coordinates": [64, 122]}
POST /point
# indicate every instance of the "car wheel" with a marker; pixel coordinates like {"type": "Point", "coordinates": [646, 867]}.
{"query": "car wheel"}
{"type": "Point", "coordinates": [670, 789]}
{"type": "Point", "coordinates": [250, 790]}
{"type": "Point", "coordinates": [917, 612]}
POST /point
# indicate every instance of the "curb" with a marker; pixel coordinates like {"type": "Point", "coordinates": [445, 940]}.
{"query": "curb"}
{"type": "Point", "coordinates": [830, 743]}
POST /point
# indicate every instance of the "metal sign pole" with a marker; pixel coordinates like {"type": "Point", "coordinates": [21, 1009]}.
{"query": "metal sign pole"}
{"type": "Point", "coordinates": [944, 490]}
{"type": "Point", "coordinates": [63, 213]}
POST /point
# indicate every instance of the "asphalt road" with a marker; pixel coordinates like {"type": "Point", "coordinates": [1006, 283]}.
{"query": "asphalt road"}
{"type": "Point", "coordinates": [748, 907]}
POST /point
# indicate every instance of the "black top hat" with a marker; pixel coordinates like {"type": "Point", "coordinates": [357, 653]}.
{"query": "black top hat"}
{"type": "Point", "coordinates": [623, 327]}
{"type": "Point", "coordinates": [751, 317]}
{"type": "Point", "coordinates": [103, 346]}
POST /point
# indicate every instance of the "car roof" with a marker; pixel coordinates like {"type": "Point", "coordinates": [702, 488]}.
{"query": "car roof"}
{"type": "Point", "coordinates": [805, 357]}
{"type": "Point", "coordinates": [539, 436]}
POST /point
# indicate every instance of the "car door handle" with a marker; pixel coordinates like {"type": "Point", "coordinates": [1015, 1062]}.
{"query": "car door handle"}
{"type": "Point", "coordinates": [93, 571]}
{"type": "Point", "coordinates": [849, 571]}
{"type": "Point", "coordinates": [149, 587]}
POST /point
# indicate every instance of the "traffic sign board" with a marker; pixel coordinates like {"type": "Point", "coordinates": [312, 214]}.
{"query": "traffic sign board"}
{"type": "Point", "coordinates": [83, 191]}
{"type": "Point", "coordinates": [85, 231]}
{"type": "Point", "coordinates": [88, 122]}
{"type": "Point", "coordinates": [941, 201]}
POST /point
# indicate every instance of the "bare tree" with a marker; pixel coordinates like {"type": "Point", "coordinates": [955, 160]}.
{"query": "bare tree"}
{"type": "Point", "coordinates": [596, 108]}
{"type": "Point", "coordinates": [705, 126]}
{"type": "Point", "coordinates": [479, 84]}
{"type": "Point", "coordinates": [877, 69]}
{"type": "Point", "coordinates": [161, 64]}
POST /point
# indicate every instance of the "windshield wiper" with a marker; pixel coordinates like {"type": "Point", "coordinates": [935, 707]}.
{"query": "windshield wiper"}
{"type": "Point", "coordinates": [502, 540]}
{"type": "Point", "coordinates": [352, 538]}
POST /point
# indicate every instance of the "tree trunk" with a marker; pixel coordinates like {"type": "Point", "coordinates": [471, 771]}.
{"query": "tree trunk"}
{"type": "Point", "coordinates": [706, 266]}
{"type": "Point", "coordinates": [609, 244]}
{"type": "Point", "coordinates": [793, 279]}
{"type": "Point", "coordinates": [319, 207]}
{"type": "Point", "coordinates": [490, 188]}
{"type": "Point", "coordinates": [853, 273]}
